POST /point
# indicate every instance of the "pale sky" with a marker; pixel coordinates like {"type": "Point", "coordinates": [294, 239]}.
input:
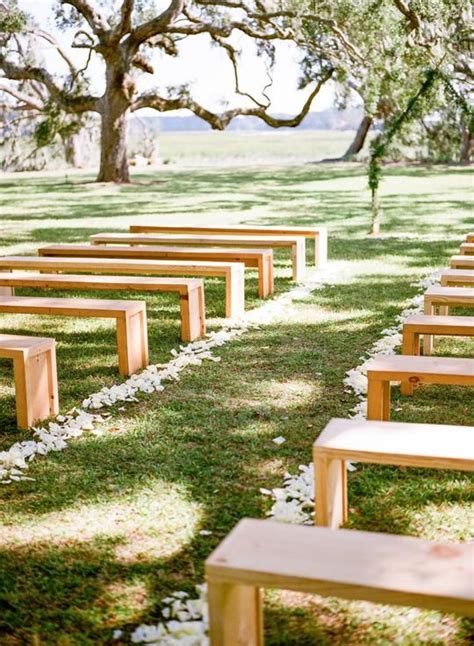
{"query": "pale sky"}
{"type": "Point", "coordinates": [206, 69]}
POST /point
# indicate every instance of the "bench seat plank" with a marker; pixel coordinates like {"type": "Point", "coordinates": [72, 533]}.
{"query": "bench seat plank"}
{"type": "Point", "coordinates": [411, 371]}
{"type": "Point", "coordinates": [130, 316]}
{"type": "Point", "coordinates": [470, 237]}
{"type": "Point", "coordinates": [232, 272]}
{"type": "Point", "coordinates": [453, 277]}
{"type": "Point", "coordinates": [349, 564]}
{"type": "Point", "coordinates": [467, 249]}
{"type": "Point", "coordinates": [295, 243]}
{"type": "Point", "coordinates": [35, 374]}
{"type": "Point", "coordinates": [190, 290]}
{"type": "Point", "coordinates": [462, 262]}
{"type": "Point", "coordinates": [430, 326]}
{"type": "Point", "coordinates": [261, 259]}
{"type": "Point", "coordinates": [317, 234]}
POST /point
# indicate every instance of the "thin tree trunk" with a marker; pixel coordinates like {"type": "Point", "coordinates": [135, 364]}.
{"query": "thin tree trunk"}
{"type": "Point", "coordinates": [360, 137]}
{"type": "Point", "coordinates": [467, 146]}
{"type": "Point", "coordinates": [375, 222]}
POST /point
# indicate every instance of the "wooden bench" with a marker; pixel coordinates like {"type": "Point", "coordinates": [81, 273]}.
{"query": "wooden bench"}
{"type": "Point", "coordinates": [411, 371]}
{"type": "Point", "coordinates": [467, 249]}
{"type": "Point", "coordinates": [189, 290]}
{"type": "Point", "coordinates": [462, 262]}
{"type": "Point", "coordinates": [470, 237]}
{"type": "Point", "coordinates": [318, 235]}
{"type": "Point", "coordinates": [261, 259]}
{"type": "Point", "coordinates": [431, 446]}
{"type": "Point", "coordinates": [453, 277]}
{"type": "Point", "coordinates": [130, 316]}
{"type": "Point", "coordinates": [36, 381]}
{"type": "Point", "coordinates": [430, 326]}
{"type": "Point", "coordinates": [295, 243]}
{"type": "Point", "coordinates": [440, 299]}
{"type": "Point", "coordinates": [349, 564]}
{"type": "Point", "coordinates": [233, 273]}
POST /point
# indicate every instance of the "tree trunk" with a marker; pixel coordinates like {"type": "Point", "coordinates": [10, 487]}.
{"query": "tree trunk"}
{"type": "Point", "coordinates": [467, 145]}
{"type": "Point", "coordinates": [360, 137]}
{"type": "Point", "coordinates": [375, 222]}
{"type": "Point", "coordinates": [115, 107]}
{"type": "Point", "coordinates": [113, 148]}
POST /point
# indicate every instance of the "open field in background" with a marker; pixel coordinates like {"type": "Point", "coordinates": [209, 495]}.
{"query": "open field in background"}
{"type": "Point", "coordinates": [247, 147]}
{"type": "Point", "coordinates": [111, 526]}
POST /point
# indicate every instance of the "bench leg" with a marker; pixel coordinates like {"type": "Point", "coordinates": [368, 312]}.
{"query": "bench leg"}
{"type": "Point", "coordinates": [193, 314]}
{"type": "Point", "coordinates": [429, 310]}
{"type": "Point", "coordinates": [298, 259]}
{"type": "Point", "coordinates": [7, 291]}
{"type": "Point", "coordinates": [235, 293]}
{"type": "Point", "coordinates": [265, 276]}
{"type": "Point", "coordinates": [36, 387]}
{"type": "Point", "coordinates": [235, 614]}
{"type": "Point", "coordinates": [410, 345]}
{"type": "Point", "coordinates": [378, 400]}
{"type": "Point", "coordinates": [320, 248]}
{"type": "Point", "coordinates": [132, 343]}
{"type": "Point", "coordinates": [330, 490]}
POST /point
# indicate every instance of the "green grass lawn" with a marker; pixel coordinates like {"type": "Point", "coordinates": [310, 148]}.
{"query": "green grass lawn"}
{"type": "Point", "coordinates": [111, 526]}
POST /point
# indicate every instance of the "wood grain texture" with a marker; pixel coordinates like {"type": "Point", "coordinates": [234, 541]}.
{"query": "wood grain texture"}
{"type": "Point", "coordinates": [349, 564]}
{"type": "Point", "coordinates": [295, 243]}
{"type": "Point", "coordinates": [233, 273]}
{"type": "Point", "coordinates": [261, 259]}
{"type": "Point", "coordinates": [317, 234]}
{"type": "Point", "coordinates": [192, 307]}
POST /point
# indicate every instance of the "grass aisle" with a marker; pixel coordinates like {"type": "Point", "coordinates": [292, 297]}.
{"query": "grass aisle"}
{"type": "Point", "coordinates": [112, 525]}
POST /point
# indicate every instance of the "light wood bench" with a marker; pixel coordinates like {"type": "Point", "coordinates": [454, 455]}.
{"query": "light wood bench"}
{"type": "Point", "coordinates": [430, 326]}
{"type": "Point", "coordinates": [296, 244]}
{"type": "Point", "coordinates": [457, 277]}
{"type": "Point", "coordinates": [318, 235]}
{"type": "Point", "coordinates": [349, 564]}
{"type": "Point", "coordinates": [260, 259]}
{"type": "Point", "coordinates": [130, 316]}
{"type": "Point", "coordinates": [233, 273]}
{"type": "Point", "coordinates": [462, 262]}
{"type": "Point", "coordinates": [440, 299]}
{"type": "Point", "coordinates": [430, 446]}
{"type": "Point", "coordinates": [470, 237]}
{"type": "Point", "coordinates": [35, 374]}
{"type": "Point", "coordinates": [189, 290]}
{"type": "Point", "coordinates": [467, 249]}
{"type": "Point", "coordinates": [411, 371]}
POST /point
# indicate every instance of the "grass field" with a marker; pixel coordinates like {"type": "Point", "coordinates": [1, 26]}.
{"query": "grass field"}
{"type": "Point", "coordinates": [111, 526]}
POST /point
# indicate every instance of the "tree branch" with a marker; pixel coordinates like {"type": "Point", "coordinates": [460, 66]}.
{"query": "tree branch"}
{"type": "Point", "coordinates": [221, 121]}
{"type": "Point", "coordinates": [410, 15]}
{"type": "Point", "coordinates": [96, 20]}
{"type": "Point", "coordinates": [155, 26]}
{"type": "Point", "coordinates": [28, 101]}
{"type": "Point", "coordinates": [68, 102]}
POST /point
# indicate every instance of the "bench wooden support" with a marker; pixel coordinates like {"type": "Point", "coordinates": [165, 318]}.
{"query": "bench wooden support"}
{"type": "Point", "coordinates": [296, 244]}
{"type": "Point", "coordinates": [190, 292]}
{"type": "Point", "coordinates": [317, 234]}
{"type": "Point", "coordinates": [233, 273]}
{"type": "Point", "coordinates": [411, 371]}
{"type": "Point", "coordinates": [467, 249]}
{"type": "Point", "coordinates": [349, 564]}
{"type": "Point", "coordinates": [440, 299]}
{"type": "Point", "coordinates": [130, 316]}
{"type": "Point", "coordinates": [462, 262]}
{"type": "Point", "coordinates": [457, 277]}
{"type": "Point", "coordinates": [184, 257]}
{"type": "Point", "coordinates": [429, 326]}
{"type": "Point", "coordinates": [394, 443]}
{"type": "Point", "coordinates": [35, 374]}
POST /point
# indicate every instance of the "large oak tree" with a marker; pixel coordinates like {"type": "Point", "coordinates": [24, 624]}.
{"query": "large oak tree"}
{"type": "Point", "coordinates": [125, 35]}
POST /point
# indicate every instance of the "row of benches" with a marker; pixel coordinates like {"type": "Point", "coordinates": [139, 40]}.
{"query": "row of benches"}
{"type": "Point", "coordinates": [153, 255]}
{"type": "Point", "coordinates": [352, 564]}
